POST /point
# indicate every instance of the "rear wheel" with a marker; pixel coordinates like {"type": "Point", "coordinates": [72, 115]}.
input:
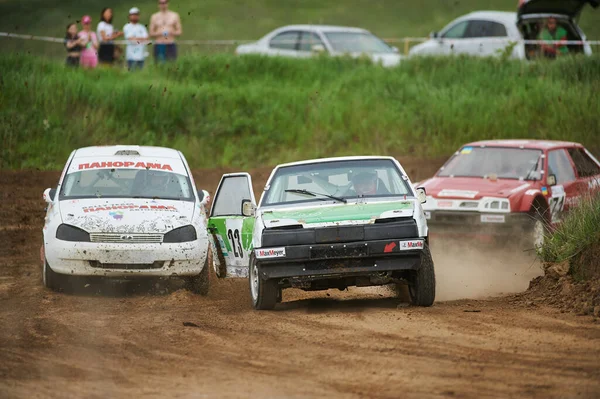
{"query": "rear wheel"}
{"type": "Point", "coordinates": [265, 293]}
{"type": "Point", "coordinates": [51, 279]}
{"type": "Point", "coordinates": [200, 283]}
{"type": "Point", "coordinates": [421, 286]}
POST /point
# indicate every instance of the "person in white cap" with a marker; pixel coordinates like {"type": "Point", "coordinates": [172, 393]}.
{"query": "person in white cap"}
{"type": "Point", "coordinates": [137, 40]}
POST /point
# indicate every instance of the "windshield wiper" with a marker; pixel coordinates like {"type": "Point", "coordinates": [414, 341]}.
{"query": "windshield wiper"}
{"type": "Point", "coordinates": [313, 194]}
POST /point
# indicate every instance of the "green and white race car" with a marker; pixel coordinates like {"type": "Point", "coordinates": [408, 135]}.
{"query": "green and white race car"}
{"type": "Point", "coordinates": [321, 224]}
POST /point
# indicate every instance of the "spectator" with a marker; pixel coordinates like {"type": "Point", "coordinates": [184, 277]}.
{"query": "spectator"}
{"type": "Point", "coordinates": [551, 33]}
{"type": "Point", "coordinates": [137, 39]}
{"type": "Point", "coordinates": [89, 42]}
{"type": "Point", "coordinates": [165, 26]}
{"type": "Point", "coordinates": [73, 46]}
{"type": "Point", "coordinates": [106, 34]}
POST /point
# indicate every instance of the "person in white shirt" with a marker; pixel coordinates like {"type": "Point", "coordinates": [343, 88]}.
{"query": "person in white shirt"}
{"type": "Point", "coordinates": [106, 34]}
{"type": "Point", "coordinates": [137, 40]}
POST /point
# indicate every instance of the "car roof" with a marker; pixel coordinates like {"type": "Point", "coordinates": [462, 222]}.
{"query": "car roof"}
{"type": "Point", "coordinates": [533, 144]}
{"type": "Point", "coordinates": [323, 160]}
{"type": "Point", "coordinates": [506, 17]}
{"type": "Point", "coordinates": [323, 28]}
{"type": "Point", "coordinates": [111, 150]}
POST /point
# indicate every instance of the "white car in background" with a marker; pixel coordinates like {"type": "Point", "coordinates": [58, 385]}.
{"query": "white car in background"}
{"type": "Point", "coordinates": [126, 212]}
{"type": "Point", "coordinates": [490, 33]}
{"type": "Point", "coordinates": [303, 41]}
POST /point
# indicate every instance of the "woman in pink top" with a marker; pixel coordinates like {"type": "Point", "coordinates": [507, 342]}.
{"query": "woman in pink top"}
{"type": "Point", "coordinates": [89, 54]}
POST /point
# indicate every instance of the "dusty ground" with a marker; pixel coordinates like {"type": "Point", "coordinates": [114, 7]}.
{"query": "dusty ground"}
{"type": "Point", "coordinates": [132, 341]}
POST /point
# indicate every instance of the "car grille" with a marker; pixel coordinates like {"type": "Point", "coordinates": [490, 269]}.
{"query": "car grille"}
{"type": "Point", "coordinates": [127, 266]}
{"type": "Point", "coordinates": [123, 238]}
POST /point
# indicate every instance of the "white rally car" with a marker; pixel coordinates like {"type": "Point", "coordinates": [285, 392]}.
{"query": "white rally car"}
{"type": "Point", "coordinates": [126, 211]}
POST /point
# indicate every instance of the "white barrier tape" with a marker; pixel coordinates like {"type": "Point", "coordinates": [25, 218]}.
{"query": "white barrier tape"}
{"type": "Point", "coordinates": [389, 40]}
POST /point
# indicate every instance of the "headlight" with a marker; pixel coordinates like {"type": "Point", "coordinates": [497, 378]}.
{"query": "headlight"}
{"type": "Point", "coordinates": [181, 234]}
{"type": "Point", "coordinates": [67, 232]}
{"type": "Point", "coordinates": [495, 205]}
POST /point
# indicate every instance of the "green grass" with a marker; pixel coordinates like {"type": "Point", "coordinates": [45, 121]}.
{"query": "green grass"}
{"type": "Point", "coordinates": [223, 110]}
{"type": "Point", "coordinates": [577, 239]}
{"type": "Point", "coordinates": [251, 19]}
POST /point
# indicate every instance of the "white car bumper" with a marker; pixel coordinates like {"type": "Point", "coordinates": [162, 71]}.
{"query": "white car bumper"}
{"type": "Point", "coordinates": [126, 260]}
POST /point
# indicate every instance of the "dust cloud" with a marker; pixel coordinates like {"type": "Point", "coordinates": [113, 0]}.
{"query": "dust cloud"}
{"type": "Point", "coordinates": [470, 271]}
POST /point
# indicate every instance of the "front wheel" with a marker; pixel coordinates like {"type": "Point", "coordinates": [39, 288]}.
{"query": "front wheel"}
{"type": "Point", "coordinates": [199, 284]}
{"type": "Point", "coordinates": [265, 293]}
{"type": "Point", "coordinates": [421, 286]}
{"type": "Point", "coordinates": [51, 279]}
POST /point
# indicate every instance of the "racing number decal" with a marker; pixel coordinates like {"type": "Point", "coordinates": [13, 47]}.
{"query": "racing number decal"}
{"type": "Point", "coordinates": [236, 244]}
{"type": "Point", "coordinates": [557, 202]}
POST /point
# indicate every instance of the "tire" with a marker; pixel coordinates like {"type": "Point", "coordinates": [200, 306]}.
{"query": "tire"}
{"type": "Point", "coordinates": [264, 293]}
{"type": "Point", "coordinates": [51, 279]}
{"type": "Point", "coordinates": [537, 233]}
{"type": "Point", "coordinates": [200, 283]}
{"type": "Point", "coordinates": [422, 285]}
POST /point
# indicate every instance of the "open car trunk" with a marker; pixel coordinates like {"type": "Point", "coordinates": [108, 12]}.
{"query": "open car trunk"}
{"type": "Point", "coordinates": [532, 25]}
{"type": "Point", "coordinates": [569, 8]}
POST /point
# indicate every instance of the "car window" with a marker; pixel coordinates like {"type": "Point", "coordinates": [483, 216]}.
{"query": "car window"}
{"type": "Point", "coordinates": [482, 28]}
{"type": "Point", "coordinates": [357, 42]}
{"type": "Point", "coordinates": [584, 165]}
{"type": "Point", "coordinates": [227, 202]}
{"type": "Point", "coordinates": [309, 39]}
{"type": "Point", "coordinates": [347, 179]}
{"type": "Point", "coordinates": [126, 183]}
{"type": "Point", "coordinates": [457, 31]}
{"type": "Point", "coordinates": [560, 166]}
{"type": "Point", "coordinates": [285, 41]}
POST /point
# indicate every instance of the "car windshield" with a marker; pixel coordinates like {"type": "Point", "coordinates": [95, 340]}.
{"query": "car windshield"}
{"type": "Point", "coordinates": [336, 181]}
{"type": "Point", "coordinates": [503, 163]}
{"type": "Point", "coordinates": [126, 183]}
{"type": "Point", "coordinates": [357, 42]}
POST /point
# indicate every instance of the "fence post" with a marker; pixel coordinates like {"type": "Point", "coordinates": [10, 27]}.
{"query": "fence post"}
{"type": "Point", "coordinates": [406, 45]}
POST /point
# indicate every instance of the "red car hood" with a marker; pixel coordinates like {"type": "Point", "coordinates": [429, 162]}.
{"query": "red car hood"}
{"type": "Point", "coordinates": [472, 187]}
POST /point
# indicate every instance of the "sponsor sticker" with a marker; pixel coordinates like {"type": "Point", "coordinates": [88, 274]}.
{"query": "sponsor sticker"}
{"type": "Point", "coordinates": [427, 215]}
{"type": "Point", "coordinates": [128, 207]}
{"type": "Point", "coordinates": [594, 183]}
{"type": "Point", "coordinates": [410, 245]}
{"type": "Point", "coordinates": [493, 219]}
{"type": "Point", "coordinates": [125, 164]}
{"type": "Point", "coordinates": [268, 253]}
{"type": "Point", "coordinates": [117, 215]}
{"type": "Point", "coordinates": [458, 193]}
{"type": "Point", "coordinates": [466, 150]}
{"type": "Point", "coordinates": [545, 190]}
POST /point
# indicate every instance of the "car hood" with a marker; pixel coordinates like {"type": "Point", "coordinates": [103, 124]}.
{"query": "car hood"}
{"type": "Point", "coordinates": [572, 8]}
{"type": "Point", "coordinates": [472, 187]}
{"type": "Point", "coordinates": [126, 215]}
{"type": "Point", "coordinates": [338, 214]}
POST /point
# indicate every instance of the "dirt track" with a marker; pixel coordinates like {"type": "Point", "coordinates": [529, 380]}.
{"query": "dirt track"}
{"type": "Point", "coordinates": [332, 344]}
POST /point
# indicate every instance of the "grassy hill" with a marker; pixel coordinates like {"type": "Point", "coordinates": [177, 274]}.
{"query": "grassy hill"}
{"type": "Point", "coordinates": [223, 110]}
{"type": "Point", "coordinates": [251, 19]}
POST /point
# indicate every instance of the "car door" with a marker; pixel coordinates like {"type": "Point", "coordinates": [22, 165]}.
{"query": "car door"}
{"type": "Point", "coordinates": [230, 228]}
{"type": "Point", "coordinates": [284, 44]}
{"type": "Point", "coordinates": [309, 42]}
{"type": "Point", "coordinates": [485, 38]}
{"type": "Point", "coordinates": [560, 195]}
{"type": "Point", "coordinates": [452, 40]}
{"type": "Point", "coordinates": [588, 171]}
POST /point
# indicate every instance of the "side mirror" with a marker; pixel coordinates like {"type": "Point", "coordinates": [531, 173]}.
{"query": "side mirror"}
{"type": "Point", "coordinates": [247, 208]}
{"type": "Point", "coordinates": [434, 35]}
{"type": "Point", "coordinates": [421, 194]}
{"type": "Point", "coordinates": [317, 48]}
{"type": "Point", "coordinates": [551, 180]}
{"type": "Point", "coordinates": [49, 194]}
{"type": "Point", "coordinates": [204, 197]}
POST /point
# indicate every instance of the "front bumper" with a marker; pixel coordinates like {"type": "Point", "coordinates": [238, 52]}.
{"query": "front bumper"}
{"type": "Point", "coordinates": [312, 262]}
{"type": "Point", "coordinates": [126, 260]}
{"type": "Point", "coordinates": [477, 223]}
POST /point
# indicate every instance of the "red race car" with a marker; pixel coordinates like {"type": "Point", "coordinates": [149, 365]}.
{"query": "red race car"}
{"type": "Point", "coordinates": [504, 188]}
